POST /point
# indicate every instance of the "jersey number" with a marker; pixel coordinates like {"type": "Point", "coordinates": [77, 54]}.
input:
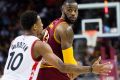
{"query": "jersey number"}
{"type": "Point", "coordinates": [13, 59]}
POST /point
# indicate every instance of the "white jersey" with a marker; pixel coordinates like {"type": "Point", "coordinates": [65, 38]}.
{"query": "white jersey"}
{"type": "Point", "coordinates": [20, 64]}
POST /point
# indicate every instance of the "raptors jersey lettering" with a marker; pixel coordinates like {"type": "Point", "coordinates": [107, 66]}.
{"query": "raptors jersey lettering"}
{"type": "Point", "coordinates": [20, 64]}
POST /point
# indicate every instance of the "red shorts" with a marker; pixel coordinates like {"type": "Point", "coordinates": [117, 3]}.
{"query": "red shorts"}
{"type": "Point", "coordinates": [51, 74]}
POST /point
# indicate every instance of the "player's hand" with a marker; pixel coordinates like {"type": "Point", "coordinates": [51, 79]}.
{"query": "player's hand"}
{"type": "Point", "coordinates": [44, 62]}
{"type": "Point", "coordinates": [104, 68]}
{"type": "Point", "coordinates": [46, 36]}
{"type": "Point", "coordinates": [42, 34]}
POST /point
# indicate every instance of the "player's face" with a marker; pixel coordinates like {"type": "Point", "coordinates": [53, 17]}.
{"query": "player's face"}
{"type": "Point", "coordinates": [71, 11]}
{"type": "Point", "coordinates": [39, 26]}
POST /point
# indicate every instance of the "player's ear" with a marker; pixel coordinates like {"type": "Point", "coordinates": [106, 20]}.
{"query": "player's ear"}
{"type": "Point", "coordinates": [62, 7]}
{"type": "Point", "coordinates": [34, 27]}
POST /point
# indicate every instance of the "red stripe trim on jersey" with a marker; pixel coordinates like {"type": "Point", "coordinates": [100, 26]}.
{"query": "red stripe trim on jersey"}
{"type": "Point", "coordinates": [55, 24]}
{"type": "Point", "coordinates": [33, 70]}
{"type": "Point", "coordinates": [39, 58]}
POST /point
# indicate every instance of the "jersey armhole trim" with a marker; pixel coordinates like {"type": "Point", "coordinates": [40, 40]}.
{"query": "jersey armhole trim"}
{"type": "Point", "coordinates": [56, 37]}
{"type": "Point", "coordinates": [58, 41]}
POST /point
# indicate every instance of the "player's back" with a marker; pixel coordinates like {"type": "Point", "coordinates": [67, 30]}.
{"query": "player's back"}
{"type": "Point", "coordinates": [49, 72]}
{"type": "Point", "coordinates": [20, 65]}
{"type": "Point", "coordinates": [52, 41]}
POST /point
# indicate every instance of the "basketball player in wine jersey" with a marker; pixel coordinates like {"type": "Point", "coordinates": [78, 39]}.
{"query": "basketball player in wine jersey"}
{"type": "Point", "coordinates": [61, 39]}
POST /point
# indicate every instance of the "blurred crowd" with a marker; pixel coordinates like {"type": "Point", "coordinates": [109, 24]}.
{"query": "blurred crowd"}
{"type": "Point", "coordinates": [10, 27]}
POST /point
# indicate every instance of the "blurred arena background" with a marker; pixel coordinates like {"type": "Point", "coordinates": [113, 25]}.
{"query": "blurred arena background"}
{"type": "Point", "coordinates": [107, 13]}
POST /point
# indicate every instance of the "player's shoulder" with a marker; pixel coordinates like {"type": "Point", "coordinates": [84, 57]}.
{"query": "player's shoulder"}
{"type": "Point", "coordinates": [63, 24]}
{"type": "Point", "coordinates": [41, 47]}
{"type": "Point", "coordinates": [62, 27]}
{"type": "Point", "coordinates": [16, 38]}
{"type": "Point", "coordinates": [39, 44]}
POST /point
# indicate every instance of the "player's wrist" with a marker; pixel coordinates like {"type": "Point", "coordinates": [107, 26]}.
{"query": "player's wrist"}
{"type": "Point", "coordinates": [94, 69]}
{"type": "Point", "coordinates": [91, 69]}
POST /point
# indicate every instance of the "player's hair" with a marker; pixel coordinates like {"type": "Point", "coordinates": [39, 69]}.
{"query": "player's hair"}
{"type": "Point", "coordinates": [28, 19]}
{"type": "Point", "coordinates": [69, 1]}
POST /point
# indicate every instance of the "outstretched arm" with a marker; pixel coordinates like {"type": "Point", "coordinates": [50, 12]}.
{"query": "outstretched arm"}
{"type": "Point", "coordinates": [65, 35]}
{"type": "Point", "coordinates": [45, 50]}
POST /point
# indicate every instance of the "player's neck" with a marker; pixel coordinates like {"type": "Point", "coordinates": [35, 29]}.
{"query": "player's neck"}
{"type": "Point", "coordinates": [28, 33]}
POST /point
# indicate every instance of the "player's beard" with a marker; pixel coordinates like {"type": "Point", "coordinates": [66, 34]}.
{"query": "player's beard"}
{"type": "Point", "coordinates": [68, 20]}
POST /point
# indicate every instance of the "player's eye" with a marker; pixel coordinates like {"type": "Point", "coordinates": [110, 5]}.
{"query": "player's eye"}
{"type": "Point", "coordinates": [75, 10]}
{"type": "Point", "coordinates": [69, 10]}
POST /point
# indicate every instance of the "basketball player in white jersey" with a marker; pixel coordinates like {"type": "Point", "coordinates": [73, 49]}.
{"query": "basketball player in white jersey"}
{"type": "Point", "coordinates": [26, 50]}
